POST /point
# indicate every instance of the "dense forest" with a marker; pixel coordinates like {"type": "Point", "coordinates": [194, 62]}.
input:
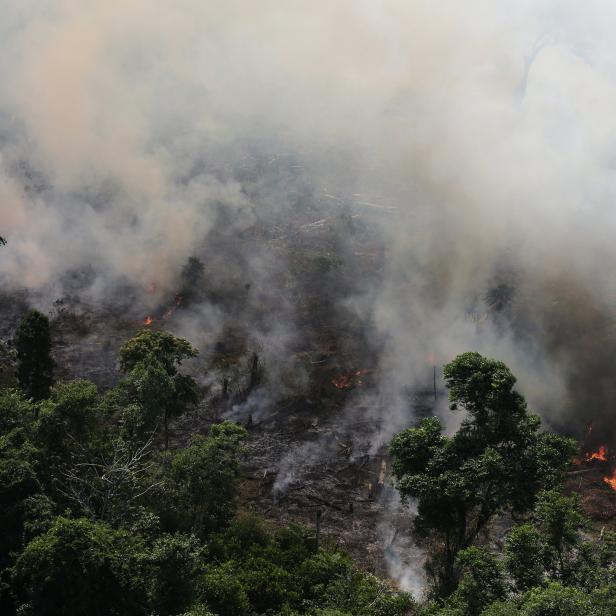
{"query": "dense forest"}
{"type": "Point", "coordinates": [103, 514]}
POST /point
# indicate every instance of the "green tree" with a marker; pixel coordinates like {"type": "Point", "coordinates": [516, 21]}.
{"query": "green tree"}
{"type": "Point", "coordinates": [604, 600]}
{"type": "Point", "coordinates": [34, 362]}
{"type": "Point", "coordinates": [8, 378]}
{"type": "Point", "coordinates": [205, 478]}
{"type": "Point", "coordinates": [68, 426]}
{"type": "Point", "coordinates": [525, 556]}
{"type": "Point", "coordinates": [556, 600]}
{"type": "Point", "coordinates": [481, 584]}
{"type": "Point", "coordinates": [223, 592]}
{"type": "Point", "coordinates": [151, 360]}
{"type": "Point", "coordinates": [560, 522]}
{"type": "Point", "coordinates": [79, 567]}
{"type": "Point", "coordinates": [18, 477]}
{"type": "Point", "coordinates": [553, 546]}
{"type": "Point", "coordinates": [497, 461]}
{"type": "Point", "coordinates": [173, 564]}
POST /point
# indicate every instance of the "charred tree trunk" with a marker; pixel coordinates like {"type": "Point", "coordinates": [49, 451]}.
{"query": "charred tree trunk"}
{"type": "Point", "coordinates": [255, 373]}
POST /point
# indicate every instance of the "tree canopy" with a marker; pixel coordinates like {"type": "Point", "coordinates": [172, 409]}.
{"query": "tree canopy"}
{"type": "Point", "coordinates": [151, 361]}
{"type": "Point", "coordinates": [497, 461]}
{"type": "Point", "coordinates": [97, 519]}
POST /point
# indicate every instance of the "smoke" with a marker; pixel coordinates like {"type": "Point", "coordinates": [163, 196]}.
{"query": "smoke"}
{"type": "Point", "coordinates": [472, 144]}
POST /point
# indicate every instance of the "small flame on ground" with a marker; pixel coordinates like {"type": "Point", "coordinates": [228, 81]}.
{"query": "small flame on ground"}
{"type": "Point", "coordinates": [346, 381]}
{"type": "Point", "coordinates": [168, 313]}
{"type": "Point", "coordinates": [600, 454]}
{"type": "Point", "coordinates": [611, 481]}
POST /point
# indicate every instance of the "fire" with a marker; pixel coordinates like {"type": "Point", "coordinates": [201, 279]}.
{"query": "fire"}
{"type": "Point", "coordinates": [177, 302]}
{"type": "Point", "coordinates": [346, 381]}
{"type": "Point", "coordinates": [601, 455]}
{"type": "Point", "coordinates": [611, 481]}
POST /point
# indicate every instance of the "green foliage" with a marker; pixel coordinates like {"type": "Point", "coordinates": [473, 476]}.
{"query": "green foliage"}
{"type": "Point", "coordinates": [18, 482]}
{"type": "Point", "coordinates": [129, 540]}
{"type": "Point", "coordinates": [482, 582]}
{"type": "Point", "coordinates": [151, 360]}
{"type": "Point", "coordinates": [69, 426]}
{"type": "Point", "coordinates": [553, 547]}
{"type": "Point", "coordinates": [497, 461]}
{"type": "Point", "coordinates": [140, 549]}
{"type": "Point", "coordinates": [604, 600]}
{"type": "Point", "coordinates": [34, 362]}
{"type": "Point", "coordinates": [267, 585]}
{"type": "Point", "coordinates": [173, 563]}
{"type": "Point", "coordinates": [69, 414]}
{"type": "Point", "coordinates": [555, 600]}
{"type": "Point", "coordinates": [559, 521]}
{"type": "Point", "coordinates": [524, 557]}
{"type": "Point", "coordinates": [152, 389]}
{"type": "Point", "coordinates": [365, 595]}
{"type": "Point", "coordinates": [78, 567]}
{"type": "Point", "coordinates": [220, 588]}
{"type": "Point", "coordinates": [8, 377]}
{"type": "Point", "coordinates": [38, 515]}
{"type": "Point", "coordinates": [18, 478]}
{"type": "Point", "coordinates": [16, 414]}
{"type": "Point", "coordinates": [167, 349]}
{"type": "Point", "coordinates": [204, 479]}
{"type": "Point", "coordinates": [198, 610]}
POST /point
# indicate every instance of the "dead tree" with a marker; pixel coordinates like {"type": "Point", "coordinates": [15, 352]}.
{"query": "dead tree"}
{"type": "Point", "coordinates": [255, 373]}
{"type": "Point", "coordinates": [110, 487]}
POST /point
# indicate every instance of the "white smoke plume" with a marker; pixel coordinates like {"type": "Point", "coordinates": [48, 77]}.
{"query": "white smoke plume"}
{"type": "Point", "coordinates": [480, 136]}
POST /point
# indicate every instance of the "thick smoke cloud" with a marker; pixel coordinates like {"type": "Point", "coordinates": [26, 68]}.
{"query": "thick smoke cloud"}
{"type": "Point", "coordinates": [480, 134]}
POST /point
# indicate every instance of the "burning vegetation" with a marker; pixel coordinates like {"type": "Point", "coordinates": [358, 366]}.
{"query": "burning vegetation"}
{"type": "Point", "coordinates": [348, 381]}
{"type": "Point", "coordinates": [258, 289]}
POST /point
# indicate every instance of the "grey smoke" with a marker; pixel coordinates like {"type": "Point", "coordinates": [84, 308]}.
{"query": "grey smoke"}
{"type": "Point", "coordinates": [476, 140]}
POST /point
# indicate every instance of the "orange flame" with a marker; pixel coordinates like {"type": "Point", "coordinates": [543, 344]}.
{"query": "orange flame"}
{"type": "Point", "coordinates": [177, 300]}
{"type": "Point", "coordinates": [601, 454]}
{"type": "Point", "coordinates": [611, 481]}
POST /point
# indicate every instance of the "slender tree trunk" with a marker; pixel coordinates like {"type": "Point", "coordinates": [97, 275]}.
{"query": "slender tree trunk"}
{"type": "Point", "coordinates": [166, 421]}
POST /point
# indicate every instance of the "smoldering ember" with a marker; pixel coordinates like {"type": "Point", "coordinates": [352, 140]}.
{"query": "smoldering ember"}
{"type": "Point", "coordinates": [307, 308]}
